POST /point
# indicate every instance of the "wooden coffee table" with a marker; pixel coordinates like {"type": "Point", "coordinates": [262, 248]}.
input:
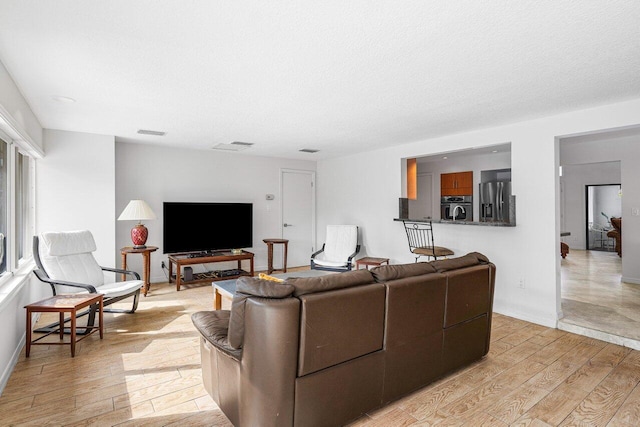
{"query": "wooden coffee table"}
{"type": "Point", "coordinates": [64, 304]}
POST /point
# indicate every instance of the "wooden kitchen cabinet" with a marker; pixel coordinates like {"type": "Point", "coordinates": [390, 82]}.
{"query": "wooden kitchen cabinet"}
{"type": "Point", "coordinates": [456, 184]}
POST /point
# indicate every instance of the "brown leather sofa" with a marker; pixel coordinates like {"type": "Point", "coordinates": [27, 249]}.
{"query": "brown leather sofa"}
{"type": "Point", "coordinates": [323, 351]}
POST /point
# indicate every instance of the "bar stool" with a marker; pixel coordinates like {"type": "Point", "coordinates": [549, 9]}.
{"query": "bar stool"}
{"type": "Point", "coordinates": [270, 243]}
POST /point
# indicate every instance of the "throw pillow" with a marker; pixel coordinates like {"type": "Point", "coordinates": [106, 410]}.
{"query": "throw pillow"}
{"type": "Point", "coordinates": [270, 278]}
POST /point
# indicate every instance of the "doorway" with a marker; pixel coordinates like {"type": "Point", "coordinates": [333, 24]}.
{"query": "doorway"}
{"type": "Point", "coordinates": [603, 202]}
{"type": "Point", "coordinates": [422, 207]}
{"type": "Point", "coordinates": [298, 214]}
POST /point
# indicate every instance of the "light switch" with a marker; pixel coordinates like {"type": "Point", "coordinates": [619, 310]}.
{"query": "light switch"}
{"type": "Point", "coordinates": [635, 211]}
{"type": "Point", "coordinates": [270, 197]}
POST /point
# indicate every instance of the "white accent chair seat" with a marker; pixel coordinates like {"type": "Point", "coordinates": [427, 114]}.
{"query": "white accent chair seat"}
{"type": "Point", "coordinates": [65, 261]}
{"type": "Point", "coordinates": [338, 251]}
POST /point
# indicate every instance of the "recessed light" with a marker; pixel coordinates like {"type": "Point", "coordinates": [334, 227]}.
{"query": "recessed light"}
{"type": "Point", "coordinates": [445, 158]}
{"type": "Point", "coordinates": [151, 132]}
{"type": "Point", "coordinates": [63, 99]}
{"type": "Point", "coordinates": [494, 151]}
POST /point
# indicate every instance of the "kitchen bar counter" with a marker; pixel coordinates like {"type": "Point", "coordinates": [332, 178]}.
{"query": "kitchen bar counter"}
{"type": "Point", "coordinates": [444, 221]}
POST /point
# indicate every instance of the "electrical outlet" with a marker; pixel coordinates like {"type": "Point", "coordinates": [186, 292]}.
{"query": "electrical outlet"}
{"type": "Point", "coordinates": [521, 283]}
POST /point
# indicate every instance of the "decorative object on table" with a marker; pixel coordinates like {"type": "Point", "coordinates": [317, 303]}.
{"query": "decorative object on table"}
{"type": "Point", "coordinates": [138, 210]}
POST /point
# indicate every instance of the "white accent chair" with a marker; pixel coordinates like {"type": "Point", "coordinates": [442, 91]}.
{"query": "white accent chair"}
{"type": "Point", "coordinates": [65, 261]}
{"type": "Point", "coordinates": [338, 251]}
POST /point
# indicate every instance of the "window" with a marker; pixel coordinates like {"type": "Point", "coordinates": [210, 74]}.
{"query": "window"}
{"type": "Point", "coordinates": [16, 206]}
{"type": "Point", "coordinates": [4, 203]}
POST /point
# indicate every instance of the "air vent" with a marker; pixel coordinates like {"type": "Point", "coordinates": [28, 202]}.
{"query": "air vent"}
{"type": "Point", "coordinates": [151, 132]}
{"type": "Point", "coordinates": [234, 146]}
{"type": "Point", "coordinates": [308, 150]}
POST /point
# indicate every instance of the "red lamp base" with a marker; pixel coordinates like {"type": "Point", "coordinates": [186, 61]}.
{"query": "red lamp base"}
{"type": "Point", "coordinates": [139, 235]}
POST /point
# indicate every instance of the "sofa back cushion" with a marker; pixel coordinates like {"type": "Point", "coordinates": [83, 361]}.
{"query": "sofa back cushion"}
{"type": "Point", "coordinates": [469, 293]}
{"type": "Point", "coordinates": [339, 326]}
{"type": "Point", "coordinates": [245, 288]}
{"type": "Point", "coordinates": [329, 282]}
{"type": "Point", "coordinates": [387, 273]}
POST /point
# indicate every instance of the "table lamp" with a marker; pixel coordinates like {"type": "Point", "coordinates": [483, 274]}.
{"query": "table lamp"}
{"type": "Point", "coordinates": [138, 210]}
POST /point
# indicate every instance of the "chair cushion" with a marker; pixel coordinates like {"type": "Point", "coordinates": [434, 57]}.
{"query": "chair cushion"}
{"type": "Point", "coordinates": [68, 242]}
{"type": "Point", "coordinates": [111, 290]}
{"type": "Point", "coordinates": [246, 287]}
{"type": "Point", "coordinates": [68, 256]}
{"type": "Point", "coordinates": [341, 242]}
{"type": "Point", "coordinates": [320, 259]}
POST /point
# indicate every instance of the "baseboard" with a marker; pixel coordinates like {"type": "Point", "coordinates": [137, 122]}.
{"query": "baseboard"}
{"type": "Point", "coordinates": [8, 370]}
{"type": "Point", "coordinates": [544, 321]}
{"type": "Point", "coordinates": [631, 280]}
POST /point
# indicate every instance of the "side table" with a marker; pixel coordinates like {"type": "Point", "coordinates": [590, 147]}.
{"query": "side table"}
{"type": "Point", "coordinates": [64, 304]}
{"type": "Point", "coordinates": [367, 261]}
{"type": "Point", "coordinates": [270, 243]}
{"type": "Point", "coordinates": [146, 255]}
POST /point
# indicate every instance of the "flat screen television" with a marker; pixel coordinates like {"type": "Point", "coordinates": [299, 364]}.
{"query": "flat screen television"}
{"type": "Point", "coordinates": [206, 227]}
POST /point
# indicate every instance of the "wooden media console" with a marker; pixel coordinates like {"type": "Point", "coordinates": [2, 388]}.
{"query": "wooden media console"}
{"type": "Point", "coordinates": [189, 258]}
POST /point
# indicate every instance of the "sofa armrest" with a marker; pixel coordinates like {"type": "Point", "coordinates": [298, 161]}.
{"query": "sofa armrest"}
{"type": "Point", "coordinates": [214, 327]}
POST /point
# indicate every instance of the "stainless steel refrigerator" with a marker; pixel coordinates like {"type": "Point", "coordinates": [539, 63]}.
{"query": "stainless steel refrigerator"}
{"type": "Point", "coordinates": [494, 201]}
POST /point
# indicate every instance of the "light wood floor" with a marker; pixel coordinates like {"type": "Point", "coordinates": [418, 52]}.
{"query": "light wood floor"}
{"type": "Point", "coordinates": [146, 371]}
{"type": "Point", "coordinates": [593, 297]}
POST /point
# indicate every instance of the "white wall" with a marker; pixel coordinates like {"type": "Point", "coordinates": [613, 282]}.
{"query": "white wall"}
{"type": "Point", "coordinates": [179, 175]}
{"type": "Point", "coordinates": [627, 151]}
{"type": "Point", "coordinates": [528, 251]}
{"type": "Point", "coordinates": [13, 103]}
{"type": "Point", "coordinates": [75, 185]}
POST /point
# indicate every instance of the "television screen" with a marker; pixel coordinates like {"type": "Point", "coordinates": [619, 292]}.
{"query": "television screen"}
{"type": "Point", "coordinates": [191, 227]}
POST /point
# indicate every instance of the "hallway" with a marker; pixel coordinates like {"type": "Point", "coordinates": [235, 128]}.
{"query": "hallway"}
{"type": "Point", "coordinates": [595, 302]}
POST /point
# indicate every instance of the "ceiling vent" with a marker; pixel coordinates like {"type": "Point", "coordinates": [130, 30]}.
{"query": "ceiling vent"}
{"type": "Point", "coordinates": [151, 132]}
{"type": "Point", "coordinates": [309, 150]}
{"type": "Point", "coordinates": [234, 146]}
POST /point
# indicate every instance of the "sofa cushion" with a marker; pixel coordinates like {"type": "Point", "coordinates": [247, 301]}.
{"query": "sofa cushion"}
{"type": "Point", "coordinates": [468, 260]}
{"type": "Point", "coordinates": [246, 287]}
{"type": "Point", "coordinates": [339, 326]}
{"type": "Point", "coordinates": [213, 326]}
{"type": "Point", "coordinates": [386, 273]}
{"type": "Point", "coordinates": [309, 285]}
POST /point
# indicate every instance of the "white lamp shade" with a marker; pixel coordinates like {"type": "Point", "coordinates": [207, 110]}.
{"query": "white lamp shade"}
{"type": "Point", "coordinates": [137, 210]}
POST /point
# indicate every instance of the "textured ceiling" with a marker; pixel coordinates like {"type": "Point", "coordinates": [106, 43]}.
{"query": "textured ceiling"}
{"type": "Point", "coordinates": [338, 76]}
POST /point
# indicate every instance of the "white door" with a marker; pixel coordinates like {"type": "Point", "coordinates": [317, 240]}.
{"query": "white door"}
{"type": "Point", "coordinates": [298, 215]}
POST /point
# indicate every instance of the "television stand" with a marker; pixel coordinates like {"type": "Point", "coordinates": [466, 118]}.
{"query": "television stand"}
{"type": "Point", "coordinates": [190, 258]}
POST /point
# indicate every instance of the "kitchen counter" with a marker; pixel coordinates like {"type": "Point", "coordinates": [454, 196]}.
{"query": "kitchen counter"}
{"type": "Point", "coordinates": [444, 221]}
